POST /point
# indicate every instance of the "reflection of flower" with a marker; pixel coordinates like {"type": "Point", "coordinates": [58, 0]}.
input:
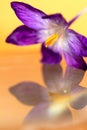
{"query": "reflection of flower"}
{"type": "Point", "coordinates": [52, 102]}
{"type": "Point", "coordinates": [52, 31]}
{"type": "Point", "coordinates": [67, 84]}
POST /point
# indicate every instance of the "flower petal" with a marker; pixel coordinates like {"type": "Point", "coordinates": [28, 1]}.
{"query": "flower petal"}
{"type": "Point", "coordinates": [75, 61]}
{"type": "Point", "coordinates": [29, 93]}
{"type": "Point", "coordinates": [73, 77]}
{"type": "Point", "coordinates": [52, 75]}
{"type": "Point", "coordinates": [77, 43]}
{"type": "Point", "coordinates": [81, 97]}
{"type": "Point", "coordinates": [57, 18]}
{"type": "Point", "coordinates": [29, 15]}
{"type": "Point", "coordinates": [49, 57]}
{"type": "Point", "coordinates": [23, 36]}
{"type": "Point", "coordinates": [40, 114]}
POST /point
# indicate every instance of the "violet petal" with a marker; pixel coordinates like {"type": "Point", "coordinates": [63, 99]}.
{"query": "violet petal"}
{"type": "Point", "coordinates": [77, 43]}
{"type": "Point", "coordinates": [50, 57]}
{"type": "Point", "coordinates": [57, 18]}
{"type": "Point", "coordinates": [29, 15]}
{"type": "Point", "coordinates": [23, 36]}
{"type": "Point", "coordinates": [75, 61]}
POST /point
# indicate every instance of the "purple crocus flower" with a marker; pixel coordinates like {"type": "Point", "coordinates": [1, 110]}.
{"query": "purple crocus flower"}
{"type": "Point", "coordinates": [51, 30]}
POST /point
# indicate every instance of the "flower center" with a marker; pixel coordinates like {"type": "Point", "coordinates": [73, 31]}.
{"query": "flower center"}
{"type": "Point", "coordinates": [51, 40]}
{"type": "Point", "coordinates": [60, 98]}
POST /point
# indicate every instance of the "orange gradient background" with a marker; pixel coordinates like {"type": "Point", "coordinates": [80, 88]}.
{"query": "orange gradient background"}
{"type": "Point", "coordinates": [22, 63]}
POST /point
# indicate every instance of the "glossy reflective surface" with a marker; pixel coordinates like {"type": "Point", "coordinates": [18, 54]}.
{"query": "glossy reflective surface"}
{"type": "Point", "coordinates": [40, 96]}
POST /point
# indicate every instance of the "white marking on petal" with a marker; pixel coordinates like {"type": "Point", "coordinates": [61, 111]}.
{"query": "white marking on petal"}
{"type": "Point", "coordinates": [51, 29]}
{"type": "Point", "coordinates": [60, 45]}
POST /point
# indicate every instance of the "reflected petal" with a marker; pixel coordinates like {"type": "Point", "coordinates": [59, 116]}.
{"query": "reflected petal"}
{"type": "Point", "coordinates": [52, 75]}
{"type": "Point", "coordinates": [38, 113]}
{"type": "Point", "coordinates": [29, 93]}
{"type": "Point", "coordinates": [56, 82]}
{"type": "Point", "coordinates": [80, 100]}
{"type": "Point", "coordinates": [73, 77]}
{"type": "Point", "coordinates": [41, 114]}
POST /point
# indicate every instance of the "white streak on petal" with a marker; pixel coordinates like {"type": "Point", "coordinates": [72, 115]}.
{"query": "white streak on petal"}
{"type": "Point", "coordinates": [51, 29]}
{"type": "Point", "coordinates": [60, 46]}
{"type": "Point", "coordinates": [45, 34]}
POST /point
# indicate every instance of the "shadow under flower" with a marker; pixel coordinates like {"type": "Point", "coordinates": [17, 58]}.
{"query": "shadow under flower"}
{"type": "Point", "coordinates": [51, 103]}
